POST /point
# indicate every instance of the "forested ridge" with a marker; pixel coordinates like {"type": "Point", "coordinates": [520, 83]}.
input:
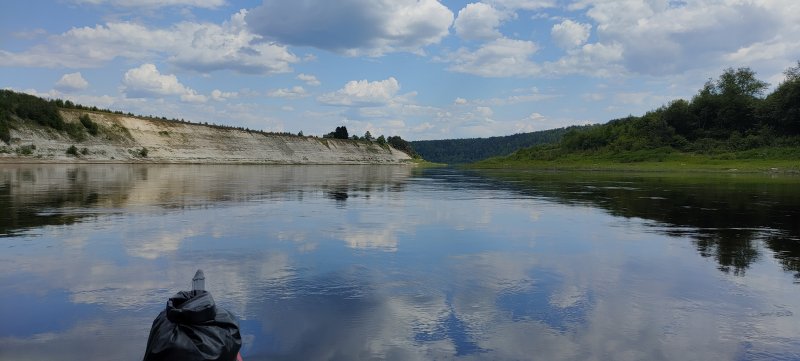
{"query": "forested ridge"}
{"type": "Point", "coordinates": [731, 116]}
{"type": "Point", "coordinates": [460, 151]}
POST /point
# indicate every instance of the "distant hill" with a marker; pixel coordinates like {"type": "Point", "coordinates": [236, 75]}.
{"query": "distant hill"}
{"type": "Point", "coordinates": [460, 151]}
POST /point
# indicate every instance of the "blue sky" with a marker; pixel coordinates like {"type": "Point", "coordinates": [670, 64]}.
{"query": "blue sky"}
{"type": "Point", "coordinates": [421, 69]}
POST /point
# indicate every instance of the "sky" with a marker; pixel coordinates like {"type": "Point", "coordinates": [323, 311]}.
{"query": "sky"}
{"type": "Point", "coordinates": [421, 69]}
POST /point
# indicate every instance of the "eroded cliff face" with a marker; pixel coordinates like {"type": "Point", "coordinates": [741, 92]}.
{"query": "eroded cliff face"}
{"type": "Point", "coordinates": [128, 139]}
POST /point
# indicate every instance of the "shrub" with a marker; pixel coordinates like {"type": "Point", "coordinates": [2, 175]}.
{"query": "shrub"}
{"type": "Point", "coordinates": [402, 145]}
{"type": "Point", "coordinates": [5, 129]}
{"type": "Point", "coordinates": [26, 149]}
{"type": "Point", "coordinates": [87, 123]}
{"type": "Point", "coordinates": [5, 134]}
{"type": "Point", "coordinates": [75, 131]}
{"type": "Point", "coordinates": [143, 152]}
{"type": "Point", "coordinates": [72, 150]}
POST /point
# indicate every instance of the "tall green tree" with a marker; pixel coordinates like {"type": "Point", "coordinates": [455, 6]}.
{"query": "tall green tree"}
{"type": "Point", "coordinates": [679, 116]}
{"type": "Point", "coordinates": [782, 108]}
{"type": "Point", "coordinates": [340, 133]}
{"type": "Point", "coordinates": [728, 104]}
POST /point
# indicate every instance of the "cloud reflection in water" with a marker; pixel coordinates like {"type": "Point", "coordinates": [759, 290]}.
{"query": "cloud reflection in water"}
{"type": "Point", "coordinates": [408, 266]}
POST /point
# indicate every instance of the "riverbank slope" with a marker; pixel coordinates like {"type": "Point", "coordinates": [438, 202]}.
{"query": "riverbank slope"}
{"type": "Point", "coordinates": [119, 138]}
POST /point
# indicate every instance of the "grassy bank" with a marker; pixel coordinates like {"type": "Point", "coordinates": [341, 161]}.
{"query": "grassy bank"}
{"type": "Point", "coordinates": [783, 160]}
{"type": "Point", "coordinates": [422, 163]}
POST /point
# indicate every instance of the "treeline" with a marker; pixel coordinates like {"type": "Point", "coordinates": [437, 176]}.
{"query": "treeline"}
{"type": "Point", "coordinates": [729, 114]}
{"type": "Point", "coordinates": [395, 141]}
{"type": "Point", "coordinates": [460, 151]}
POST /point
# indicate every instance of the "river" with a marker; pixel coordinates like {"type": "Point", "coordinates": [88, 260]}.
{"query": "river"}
{"type": "Point", "coordinates": [399, 263]}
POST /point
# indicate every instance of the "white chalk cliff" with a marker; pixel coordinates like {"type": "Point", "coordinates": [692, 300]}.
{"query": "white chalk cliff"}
{"type": "Point", "coordinates": [122, 138]}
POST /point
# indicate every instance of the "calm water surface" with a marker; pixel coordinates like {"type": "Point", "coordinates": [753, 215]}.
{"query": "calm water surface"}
{"type": "Point", "coordinates": [394, 263]}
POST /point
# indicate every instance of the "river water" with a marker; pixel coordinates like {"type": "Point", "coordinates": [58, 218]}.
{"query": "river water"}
{"type": "Point", "coordinates": [397, 263]}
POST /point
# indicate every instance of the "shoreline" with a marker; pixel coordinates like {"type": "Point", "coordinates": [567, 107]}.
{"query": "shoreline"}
{"type": "Point", "coordinates": [162, 162]}
{"type": "Point", "coordinates": [121, 139]}
{"type": "Point", "coordinates": [789, 167]}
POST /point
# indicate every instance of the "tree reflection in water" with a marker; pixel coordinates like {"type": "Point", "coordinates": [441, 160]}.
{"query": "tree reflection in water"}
{"type": "Point", "coordinates": [728, 217]}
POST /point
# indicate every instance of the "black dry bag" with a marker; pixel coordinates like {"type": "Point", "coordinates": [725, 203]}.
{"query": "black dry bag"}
{"type": "Point", "coordinates": [193, 328]}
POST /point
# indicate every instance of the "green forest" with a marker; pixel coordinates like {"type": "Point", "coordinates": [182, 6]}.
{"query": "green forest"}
{"type": "Point", "coordinates": [461, 151]}
{"type": "Point", "coordinates": [730, 118]}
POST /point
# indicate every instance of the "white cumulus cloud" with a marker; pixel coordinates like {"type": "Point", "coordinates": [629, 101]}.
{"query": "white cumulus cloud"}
{"type": "Point", "coordinates": [479, 21]}
{"type": "Point", "coordinates": [201, 47]}
{"type": "Point", "coordinates": [569, 34]}
{"type": "Point", "coordinates": [595, 59]}
{"type": "Point", "coordinates": [309, 79]}
{"type": "Point", "coordinates": [211, 47]}
{"type": "Point", "coordinates": [353, 27]}
{"type": "Point", "coordinates": [71, 82]}
{"type": "Point", "coordinates": [147, 82]}
{"type": "Point", "coordinates": [498, 58]}
{"type": "Point", "coordinates": [665, 37]}
{"type": "Point", "coordinates": [645, 37]}
{"type": "Point", "coordinates": [363, 93]}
